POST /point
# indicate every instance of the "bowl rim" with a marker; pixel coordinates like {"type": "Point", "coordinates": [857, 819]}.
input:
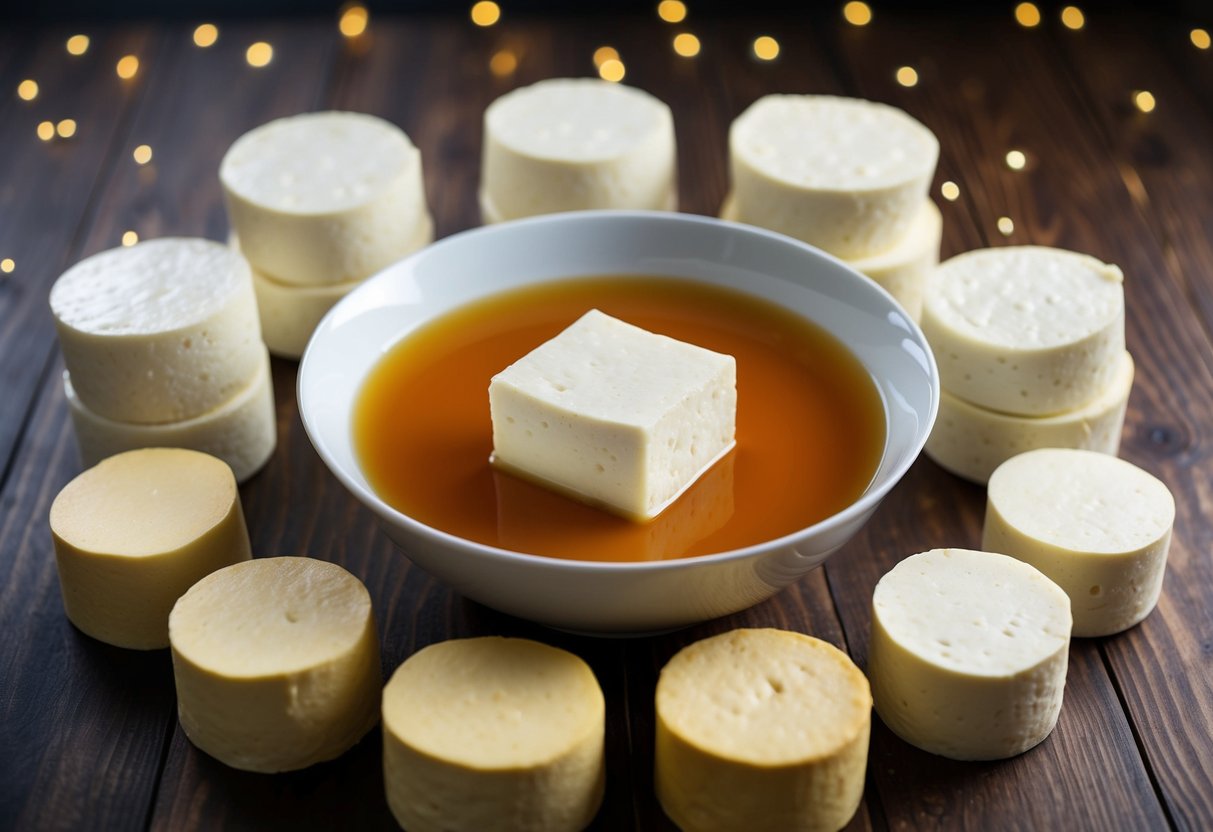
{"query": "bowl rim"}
{"type": "Point", "coordinates": [866, 502]}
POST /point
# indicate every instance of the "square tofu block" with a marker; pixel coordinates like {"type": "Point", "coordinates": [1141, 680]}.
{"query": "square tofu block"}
{"type": "Point", "coordinates": [614, 415]}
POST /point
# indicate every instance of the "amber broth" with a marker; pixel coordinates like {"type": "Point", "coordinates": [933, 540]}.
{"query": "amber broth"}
{"type": "Point", "coordinates": [810, 423]}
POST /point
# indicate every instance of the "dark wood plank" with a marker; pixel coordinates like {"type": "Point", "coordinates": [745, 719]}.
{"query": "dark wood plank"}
{"type": "Point", "coordinates": [1163, 158]}
{"type": "Point", "coordinates": [987, 87]}
{"type": "Point", "coordinates": [82, 723]}
{"type": "Point", "coordinates": [48, 188]}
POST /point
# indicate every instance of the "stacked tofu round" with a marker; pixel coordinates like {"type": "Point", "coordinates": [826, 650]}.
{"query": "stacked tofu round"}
{"type": "Point", "coordinates": [319, 202]}
{"type": "Point", "coordinates": [848, 176]}
{"type": "Point", "coordinates": [163, 349]}
{"type": "Point", "coordinates": [569, 144]}
{"type": "Point", "coordinates": [1030, 343]}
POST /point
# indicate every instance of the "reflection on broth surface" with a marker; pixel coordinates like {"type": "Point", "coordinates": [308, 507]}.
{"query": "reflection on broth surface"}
{"type": "Point", "coordinates": [810, 423]}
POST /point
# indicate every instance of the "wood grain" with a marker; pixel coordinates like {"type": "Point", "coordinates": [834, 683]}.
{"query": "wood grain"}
{"type": "Point", "coordinates": [92, 729]}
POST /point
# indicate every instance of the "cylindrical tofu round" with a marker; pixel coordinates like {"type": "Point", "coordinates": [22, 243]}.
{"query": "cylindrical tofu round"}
{"type": "Point", "coordinates": [761, 730]}
{"type": "Point", "coordinates": [1025, 330]}
{"type": "Point", "coordinates": [243, 431]}
{"type": "Point", "coordinates": [968, 654]}
{"type": "Point", "coordinates": [324, 198]}
{"type": "Point", "coordinates": [843, 174]}
{"type": "Point", "coordinates": [1098, 526]}
{"type": "Point", "coordinates": [902, 270]}
{"type": "Point", "coordinates": [493, 734]}
{"type": "Point", "coordinates": [971, 441]}
{"type": "Point", "coordinates": [568, 144]}
{"type": "Point", "coordinates": [276, 662]}
{"type": "Point", "coordinates": [133, 533]}
{"type": "Point", "coordinates": [162, 331]}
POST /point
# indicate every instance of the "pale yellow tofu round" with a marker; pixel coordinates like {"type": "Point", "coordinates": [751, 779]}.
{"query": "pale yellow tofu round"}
{"type": "Point", "coordinates": [972, 441]}
{"type": "Point", "coordinates": [321, 198]}
{"type": "Point", "coordinates": [569, 144]}
{"type": "Point", "coordinates": [276, 662]}
{"type": "Point", "coordinates": [968, 653]}
{"type": "Point", "coordinates": [846, 175]}
{"type": "Point", "coordinates": [242, 431]}
{"type": "Point", "coordinates": [1025, 330]}
{"type": "Point", "coordinates": [162, 331]}
{"type": "Point", "coordinates": [136, 531]}
{"type": "Point", "coordinates": [761, 730]}
{"type": "Point", "coordinates": [493, 734]}
{"type": "Point", "coordinates": [1100, 527]}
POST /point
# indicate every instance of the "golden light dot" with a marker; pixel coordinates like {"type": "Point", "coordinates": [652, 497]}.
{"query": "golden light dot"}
{"type": "Point", "coordinates": [1200, 38]}
{"type": "Point", "coordinates": [766, 48]}
{"type": "Point", "coordinates": [950, 191]}
{"type": "Point", "coordinates": [142, 154]}
{"type": "Point", "coordinates": [1144, 101]}
{"type": "Point", "coordinates": [46, 130]}
{"type": "Point", "coordinates": [612, 70]}
{"type": "Point", "coordinates": [259, 54]}
{"type": "Point", "coordinates": [486, 13]}
{"type": "Point", "coordinates": [127, 66]}
{"type": "Point", "coordinates": [907, 76]}
{"type": "Point", "coordinates": [129, 238]}
{"type": "Point", "coordinates": [1027, 15]}
{"type": "Point", "coordinates": [27, 90]}
{"type": "Point", "coordinates": [7, 265]}
{"type": "Point", "coordinates": [857, 14]}
{"type": "Point", "coordinates": [686, 45]}
{"type": "Point", "coordinates": [503, 62]}
{"type": "Point", "coordinates": [672, 11]}
{"type": "Point", "coordinates": [603, 54]}
{"type": "Point", "coordinates": [77, 44]}
{"type": "Point", "coordinates": [1016, 159]}
{"type": "Point", "coordinates": [206, 35]}
{"type": "Point", "coordinates": [1073, 18]}
{"type": "Point", "coordinates": [1005, 226]}
{"type": "Point", "coordinates": [353, 20]}
{"type": "Point", "coordinates": [66, 128]}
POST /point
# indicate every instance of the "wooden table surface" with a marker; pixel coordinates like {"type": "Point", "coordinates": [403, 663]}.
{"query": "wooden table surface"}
{"type": "Point", "coordinates": [88, 733]}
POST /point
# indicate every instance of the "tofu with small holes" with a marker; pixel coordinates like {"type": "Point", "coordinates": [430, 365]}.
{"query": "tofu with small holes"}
{"type": "Point", "coordinates": [614, 415]}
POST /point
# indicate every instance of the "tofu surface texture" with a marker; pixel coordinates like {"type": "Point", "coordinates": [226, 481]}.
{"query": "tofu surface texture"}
{"type": "Point", "coordinates": [972, 441]}
{"type": "Point", "coordinates": [243, 431]}
{"type": "Point", "coordinates": [968, 654]}
{"type": "Point", "coordinates": [493, 733]}
{"type": "Point", "coordinates": [276, 663]}
{"type": "Point", "coordinates": [161, 331]}
{"type": "Point", "coordinates": [761, 730]}
{"type": "Point", "coordinates": [1100, 527]}
{"type": "Point", "coordinates": [134, 532]}
{"type": "Point", "coordinates": [846, 175]}
{"type": "Point", "coordinates": [614, 415]}
{"type": "Point", "coordinates": [1025, 330]}
{"type": "Point", "coordinates": [320, 198]}
{"type": "Point", "coordinates": [568, 144]}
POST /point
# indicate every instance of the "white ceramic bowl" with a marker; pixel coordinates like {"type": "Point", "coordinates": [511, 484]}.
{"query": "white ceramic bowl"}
{"type": "Point", "coordinates": [618, 597]}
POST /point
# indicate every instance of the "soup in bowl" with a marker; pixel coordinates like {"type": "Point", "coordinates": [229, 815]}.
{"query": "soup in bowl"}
{"type": "Point", "coordinates": [836, 394]}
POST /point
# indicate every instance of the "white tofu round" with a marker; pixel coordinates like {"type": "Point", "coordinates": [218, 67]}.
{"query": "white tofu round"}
{"type": "Point", "coordinates": [971, 441]}
{"type": "Point", "coordinates": [136, 531]}
{"type": "Point", "coordinates": [161, 331]}
{"type": "Point", "coordinates": [846, 175]}
{"type": "Point", "coordinates": [968, 653]}
{"type": "Point", "coordinates": [493, 734]}
{"type": "Point", "coordinates": [1025, 330]}
{"type": "Point", "coordinates": [568, 144]}
{"type": "Point", "coordinates": [761, 730]}
{"type": "Point", "coordinates": [1100, 527]}
{"type": "Point", "coordinates": [276, 662]}
{"type": "Point", "coordinates": [243, 431]}
{"type": "Point", "coordinates": [324, 198]}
